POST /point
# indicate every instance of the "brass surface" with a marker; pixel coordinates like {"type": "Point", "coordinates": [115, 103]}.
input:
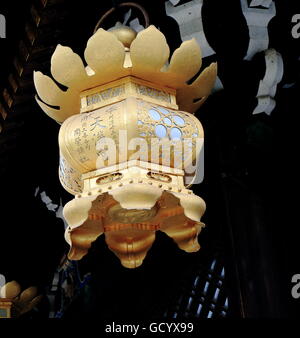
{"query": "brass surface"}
{"type": "Point", "coordinates": [125, 35]}
{"type": "Point", "coordinates": [90, 217]}
{"type": "Point", "coordinates": [79, 135]}
{"type": "Point", "coordinates": [122, 215]}
{"type": "Point", "coordinates": [126, 194]}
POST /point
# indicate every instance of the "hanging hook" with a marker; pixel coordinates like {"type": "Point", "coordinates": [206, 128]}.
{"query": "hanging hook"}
{"type": "Point", "coordinates": [125, 4]}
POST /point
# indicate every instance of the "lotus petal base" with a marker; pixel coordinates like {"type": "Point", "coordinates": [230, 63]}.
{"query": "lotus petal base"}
{"type": "Point", "coordinates": [129, 212]}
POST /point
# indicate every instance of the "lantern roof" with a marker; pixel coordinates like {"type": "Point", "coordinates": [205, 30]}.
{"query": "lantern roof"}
{"type": "Point", "coordinates": [109, 60]}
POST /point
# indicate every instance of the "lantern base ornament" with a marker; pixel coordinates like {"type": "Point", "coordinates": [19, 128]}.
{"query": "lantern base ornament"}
{"type": "Point", "coordinates": [129, 206]}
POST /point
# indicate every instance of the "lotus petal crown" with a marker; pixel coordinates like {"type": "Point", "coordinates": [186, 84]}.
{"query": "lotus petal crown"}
{"type": "Point", "coordinates": [107, 60]}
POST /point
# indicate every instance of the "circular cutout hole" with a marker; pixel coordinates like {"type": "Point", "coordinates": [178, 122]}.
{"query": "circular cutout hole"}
{"type": "Point", "coordinates": [167, 121]}
{"type": "Point", "coordinates": [155, 115]}
{"type": "Point", "coordinates": [179, 121]}
{"type": "Point", "coordinates": [160, 131]}
{"type": "Point", "coordinates": [175, 134]}
{"type": "Point", "coordinates": [164, 111]}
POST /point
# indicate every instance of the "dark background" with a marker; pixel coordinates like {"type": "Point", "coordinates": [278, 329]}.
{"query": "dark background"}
{"type": "Point", "coordinates": [250, 166]}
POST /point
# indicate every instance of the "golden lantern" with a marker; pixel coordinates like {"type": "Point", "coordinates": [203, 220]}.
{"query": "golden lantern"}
{"type": "Point", "coordinates": [126, 141]}
{"type": "Point", "coordinates": [14, 302]}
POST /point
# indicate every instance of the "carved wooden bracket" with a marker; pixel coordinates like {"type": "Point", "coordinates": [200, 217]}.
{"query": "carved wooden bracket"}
{"type": "Point", "coordinates": [268, 86]}
{"type": "Point", "coordinates": [262, 3]}
{"type": "Point", "coordinates": [189, 18]}
{"type": "Point", "coordinates": [258, 20]}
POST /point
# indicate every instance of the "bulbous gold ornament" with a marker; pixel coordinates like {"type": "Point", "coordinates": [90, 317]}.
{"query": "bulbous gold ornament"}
{"type": "Point", "coordinates": [124, 34]}
{"type": "Point", "coordinates": [126, 143]}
